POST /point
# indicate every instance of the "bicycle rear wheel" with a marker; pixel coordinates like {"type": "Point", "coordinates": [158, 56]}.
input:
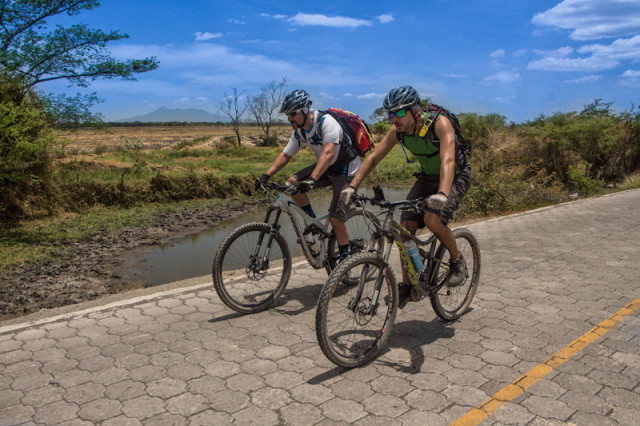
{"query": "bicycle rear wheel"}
{"type": "Point", "coordinates": [350, 328]}
{"type": "Point", "coordinates": [449, 303]}
{"type": "Point", "coordinates": [248, 276]}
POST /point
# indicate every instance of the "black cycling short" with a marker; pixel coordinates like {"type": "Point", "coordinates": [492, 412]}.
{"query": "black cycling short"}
{"type": "Point", "coordinates": [429, 185]}
{"type": "Point", "coordinates": [337, 209]}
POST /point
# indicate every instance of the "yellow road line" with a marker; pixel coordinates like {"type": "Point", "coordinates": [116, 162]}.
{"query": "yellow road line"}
{"type": "Point", "coordinates": [519, 386]}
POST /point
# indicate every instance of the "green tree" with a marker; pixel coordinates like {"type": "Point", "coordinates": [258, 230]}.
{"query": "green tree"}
{"type": "Point", "coordinates": [25, 146]}
{"type": "Point", "coordinates": [31, 54]}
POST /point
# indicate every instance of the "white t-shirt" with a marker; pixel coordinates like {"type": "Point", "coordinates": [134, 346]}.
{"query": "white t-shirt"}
{"type": "Point", "coordinates": [331, 133]}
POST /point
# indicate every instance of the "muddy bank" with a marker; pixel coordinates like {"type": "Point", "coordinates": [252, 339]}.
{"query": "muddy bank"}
{"type": "Point", "coordinates": [96, 265]}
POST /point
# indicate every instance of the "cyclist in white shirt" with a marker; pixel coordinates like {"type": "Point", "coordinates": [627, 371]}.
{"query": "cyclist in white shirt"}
{"type": "Point", "coordinates": [337, 161]}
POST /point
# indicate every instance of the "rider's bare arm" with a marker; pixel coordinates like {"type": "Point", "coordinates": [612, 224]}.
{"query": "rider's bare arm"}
{"type": "Point", "coordinates": [279, 163]}
{"type": "Point", "coordinates": [381, 151]}
{"type": "Point", "coordinates": [447, 137]}
{"type": "Point", "coordinates": [324, 161]}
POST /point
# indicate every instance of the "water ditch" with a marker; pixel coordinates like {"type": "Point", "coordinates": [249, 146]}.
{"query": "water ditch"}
{"type": "Point", "coordinates": [192, 256]}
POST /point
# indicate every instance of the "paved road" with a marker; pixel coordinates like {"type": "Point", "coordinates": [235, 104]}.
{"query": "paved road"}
{"type": "Point", "coordinates": [549, 341]}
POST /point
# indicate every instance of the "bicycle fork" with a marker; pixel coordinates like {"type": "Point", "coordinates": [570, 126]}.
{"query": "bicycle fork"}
{"type": "Point", "coordinates": [356, 304]}
{"type": "Point", "coordinates": [259, 264]}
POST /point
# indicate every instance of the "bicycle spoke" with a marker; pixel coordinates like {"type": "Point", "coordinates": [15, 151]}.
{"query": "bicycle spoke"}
{"type": "Point", "coordinates": [249, 278]}
{"type": "Point", "coordinates": [352, 324]}
{"type": "Point", "coordinates": [451, 302]}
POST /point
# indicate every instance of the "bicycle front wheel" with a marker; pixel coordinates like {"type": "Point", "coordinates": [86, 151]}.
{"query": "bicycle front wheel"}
{"type": "Point", "coordinates": [360, 229]}
{"type": "Point", "coordinates": [352, 326]}
{"type": "Point", "coordinates": [248, 275]}
{"type": "Point", "coordinates": [449, 303]}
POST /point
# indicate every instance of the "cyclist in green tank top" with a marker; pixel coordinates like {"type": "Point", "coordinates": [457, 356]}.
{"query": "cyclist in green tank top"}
{"type": "Point", "coordinates": [445, 174]}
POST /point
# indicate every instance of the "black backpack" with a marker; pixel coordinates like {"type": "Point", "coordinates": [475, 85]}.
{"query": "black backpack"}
{"type": "Point", "coordinates": [433, 111]}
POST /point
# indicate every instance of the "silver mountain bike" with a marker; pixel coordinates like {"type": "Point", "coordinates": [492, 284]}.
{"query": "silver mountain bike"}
{"type": "Point", "coordinates": [252, 266]}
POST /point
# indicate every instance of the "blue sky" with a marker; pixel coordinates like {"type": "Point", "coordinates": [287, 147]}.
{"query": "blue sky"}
{"type": "Point", "coordinates": [517, 58]}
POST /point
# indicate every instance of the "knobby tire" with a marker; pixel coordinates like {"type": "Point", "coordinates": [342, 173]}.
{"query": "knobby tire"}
{"type": "Point", "coordinates": [352, 336]}
{"type": "Point", "coordinates": [450, 303]}
{"type": "Point", "coordinates": [241, 286]}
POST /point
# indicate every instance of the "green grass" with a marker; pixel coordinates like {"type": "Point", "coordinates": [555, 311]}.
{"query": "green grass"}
{"type": "Point", "coordinates": [205, 177]}
{"type": "Point", "coordinates": [631, 182]}
{"type": "Point", "coordinates": [48, 240]}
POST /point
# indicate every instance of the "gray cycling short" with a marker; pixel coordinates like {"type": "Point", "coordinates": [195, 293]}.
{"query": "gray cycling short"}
{"type": "Point", "coordinates": [428, 185]}
{"type": "Point", "coordinates": [337, 209]}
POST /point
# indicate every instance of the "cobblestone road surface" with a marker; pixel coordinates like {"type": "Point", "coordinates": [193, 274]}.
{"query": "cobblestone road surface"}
{"type": "Point", "coordinates": [181, 357]}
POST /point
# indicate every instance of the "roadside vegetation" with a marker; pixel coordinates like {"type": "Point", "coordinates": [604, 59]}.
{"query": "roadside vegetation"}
{"type": "Point", "coordinates": [52, 196]}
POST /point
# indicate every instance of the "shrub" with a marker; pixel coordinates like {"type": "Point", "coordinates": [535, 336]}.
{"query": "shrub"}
{"type": "Point", "coordinates": [380, 128]}
{"type": "Point", "coordinates": [581, 180]}
{"type": "Point", "coordinates": [26, 139]}
{"type": "Point", "coordinates": [272, 140]}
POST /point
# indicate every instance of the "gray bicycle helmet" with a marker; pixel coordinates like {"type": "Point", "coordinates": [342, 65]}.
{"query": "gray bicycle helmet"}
{"type": "Point", "coordinates": [401, 97]}
{"type": "Point", "coordinates": [295, 101]}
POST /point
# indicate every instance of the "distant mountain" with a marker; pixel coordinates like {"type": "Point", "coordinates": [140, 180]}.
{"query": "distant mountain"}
{"type": "Point", "coordinates": [165, 115]}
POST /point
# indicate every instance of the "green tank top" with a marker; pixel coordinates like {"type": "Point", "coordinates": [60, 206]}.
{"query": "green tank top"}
{"type": "Point", "coordinates": [425, 151]}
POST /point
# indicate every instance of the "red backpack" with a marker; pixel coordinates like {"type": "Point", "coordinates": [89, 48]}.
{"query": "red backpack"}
{"type": "Point", "coordinates": [354, 127]}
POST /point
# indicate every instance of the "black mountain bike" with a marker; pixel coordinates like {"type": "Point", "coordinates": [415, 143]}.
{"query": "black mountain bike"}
{"type": "Point", "coordinates": [354, 322]}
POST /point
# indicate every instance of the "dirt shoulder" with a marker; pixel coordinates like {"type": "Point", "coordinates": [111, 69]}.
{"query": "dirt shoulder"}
{"type": "Point", "coordinates": [96, 265]}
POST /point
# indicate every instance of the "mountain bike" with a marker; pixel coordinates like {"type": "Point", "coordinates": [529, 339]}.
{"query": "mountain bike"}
{"type": "Point", "coordinates": [252, 266]}
{"type": "Point", "coordinates": [354, 322]}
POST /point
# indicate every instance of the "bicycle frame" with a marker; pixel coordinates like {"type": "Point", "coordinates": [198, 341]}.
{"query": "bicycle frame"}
{"type": "Point", "coordinates": [394, 232]}
{"type": "Point", "coordinates": [318, 226]}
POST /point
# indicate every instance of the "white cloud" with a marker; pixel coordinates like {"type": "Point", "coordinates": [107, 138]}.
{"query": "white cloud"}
{"type": "Point", "coordinates": [371, 96]}
{"type": "Point", "coordinates": [600, 57]}
{"type": "Point", "coordinates": [630, 78]}
{"type": "Point", "coordinates": [620, 49]}
{"type": "Point", "coordinates": [209, 64]}
{"type": "Point", "coordinates": [236, 21]}
{"type": "Point", "coordinates": [497, 53]}
{"type": "Point", "coordinates": [182, 101]}
{"type": "Point", "coordinates": [520, 52]}
{"type": "Point", "coordinates": [504, 99]}
{"type": "Point", "coordinates": [452, 75]}
{"type": "Point", "coordinates": [503, 77]}
{"type": "Point", "coordinates": [593, 19]}
{"type": "Point", "coordinates": [385, 19]}
{"type": "Point", "coordinates": [572, 64]}
{"type": "Point", "coordinates": [558, 53]}
{"type": "Point", "coordinates": [583, 80]}
{"type": "Point", "coordinates": [200, 36]}
{"type": "Point", "coordinates": [328, 21]}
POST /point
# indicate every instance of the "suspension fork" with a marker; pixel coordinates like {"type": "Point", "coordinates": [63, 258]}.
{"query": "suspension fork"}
{"type": "Point", "coordinates": [275, 228]}
{"type": "Point", "coordinates": [378, 284]}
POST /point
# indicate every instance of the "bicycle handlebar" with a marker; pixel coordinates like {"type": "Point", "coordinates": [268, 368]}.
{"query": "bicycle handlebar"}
{"type": "Point", "coordinates": [287, 189]}
{"type": "Point", "coordinates": [379, 200]}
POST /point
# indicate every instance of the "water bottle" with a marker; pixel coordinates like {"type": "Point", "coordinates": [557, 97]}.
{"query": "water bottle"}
{"type": "Point", "coordinates": [412, 249]}
{"type": "Point", "coordinates": [311, 243]}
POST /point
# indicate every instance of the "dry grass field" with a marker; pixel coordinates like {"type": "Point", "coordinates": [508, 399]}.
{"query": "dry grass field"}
{"type": "Point", "coordinates": [88, 140]}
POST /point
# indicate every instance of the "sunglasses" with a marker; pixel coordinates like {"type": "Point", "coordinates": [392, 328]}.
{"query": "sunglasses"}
{"type": "Point", "coordinates": [399, 113]}
{"type": "Point", "coordinates": [292, 114]}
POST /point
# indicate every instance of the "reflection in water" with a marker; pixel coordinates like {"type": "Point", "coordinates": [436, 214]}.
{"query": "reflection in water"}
{"type": "Point", "coordinates": [193, 255]}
